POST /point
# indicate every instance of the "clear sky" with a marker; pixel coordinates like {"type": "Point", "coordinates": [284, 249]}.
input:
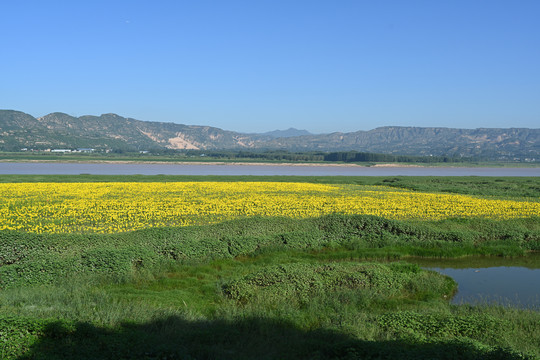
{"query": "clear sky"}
{"type": "Point", "coordinates": [261, 65]}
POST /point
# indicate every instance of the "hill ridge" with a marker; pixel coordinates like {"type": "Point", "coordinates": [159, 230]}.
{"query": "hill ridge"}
{"type": "Point", "coordinates": [111, 131]}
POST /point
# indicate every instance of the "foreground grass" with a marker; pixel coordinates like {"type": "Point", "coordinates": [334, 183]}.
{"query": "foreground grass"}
{"type": "Point", "coordinates": [189, 311]}
{"type": "Point", "coordinates": [259, 288]}
{"type": "Point", "coordinates": [184, 313]}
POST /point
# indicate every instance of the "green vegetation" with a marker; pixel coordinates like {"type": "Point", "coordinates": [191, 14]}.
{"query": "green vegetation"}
{"type": "Point", "coordinates": [298, 283]}
{"type": "Point", "coordinates": [27, 258]}
{"type": "Point", "coordinates": [334, 287]}
{"type": "Point", "coordinates": [318, 156]}
{"type": "Point", "coordinates": [288, 285]}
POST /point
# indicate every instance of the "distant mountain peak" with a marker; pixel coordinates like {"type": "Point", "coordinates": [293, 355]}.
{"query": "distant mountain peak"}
{"type": "Point", "coordinates": [290, 132]}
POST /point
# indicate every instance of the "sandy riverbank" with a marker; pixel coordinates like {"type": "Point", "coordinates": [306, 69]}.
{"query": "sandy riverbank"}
{"type": "Point", "coordinates": [224, 163]}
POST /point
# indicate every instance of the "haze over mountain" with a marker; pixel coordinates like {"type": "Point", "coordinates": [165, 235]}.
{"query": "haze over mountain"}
{"type": "Point", "coordinates": [113, 132]}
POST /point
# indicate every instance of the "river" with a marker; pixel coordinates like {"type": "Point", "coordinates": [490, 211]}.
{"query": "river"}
{"type": "Point", "coordinates": [54, 168]}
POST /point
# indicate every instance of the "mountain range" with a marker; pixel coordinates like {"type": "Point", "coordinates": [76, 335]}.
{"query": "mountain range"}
{"type": "Point", "coordinates": [19, 130]}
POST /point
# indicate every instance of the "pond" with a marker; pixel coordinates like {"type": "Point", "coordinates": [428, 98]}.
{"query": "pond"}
{"type": "Point", "coordinates": [505, 281]}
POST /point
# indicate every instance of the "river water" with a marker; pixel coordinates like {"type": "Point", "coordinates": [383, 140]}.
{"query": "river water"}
{"type": "Point", "coordinates": [36, 168]}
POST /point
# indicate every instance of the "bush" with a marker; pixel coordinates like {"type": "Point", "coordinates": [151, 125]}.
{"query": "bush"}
{"type": "Point", "coordinates": [299, 282]}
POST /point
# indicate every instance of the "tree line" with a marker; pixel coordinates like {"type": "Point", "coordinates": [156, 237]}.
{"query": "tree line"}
{"type": "Point", "coordinates": [339, 156]}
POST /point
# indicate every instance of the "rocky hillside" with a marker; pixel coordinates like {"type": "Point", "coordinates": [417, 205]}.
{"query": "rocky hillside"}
{"type": "Point", "coordinates": [486, 143]}
{"type": "Point", "coordinates": [110, 131]}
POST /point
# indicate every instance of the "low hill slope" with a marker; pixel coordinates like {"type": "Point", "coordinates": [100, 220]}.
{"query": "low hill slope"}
{"type": "Point", "coordinates": [110, 131]}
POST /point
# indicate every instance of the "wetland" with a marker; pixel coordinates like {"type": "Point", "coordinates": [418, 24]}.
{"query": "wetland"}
{"type": "Point", "coordinates": [322, 286]}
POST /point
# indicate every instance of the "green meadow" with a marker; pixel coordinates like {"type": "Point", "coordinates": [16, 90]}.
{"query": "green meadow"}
{"type": "Point", "coordinates": [331, 287]}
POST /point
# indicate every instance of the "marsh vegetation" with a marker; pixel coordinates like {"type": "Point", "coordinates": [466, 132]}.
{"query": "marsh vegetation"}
{"type": "Point", "coordinates": [268, 287]}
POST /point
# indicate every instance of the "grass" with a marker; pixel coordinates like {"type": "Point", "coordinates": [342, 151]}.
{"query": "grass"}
{"type": "Point", "coordinates": [186, 311]}
{"type": "Point", "coordinates": [27, 258]}
{"type": "Point", "coordinates": [300, 300]}
{"type": "Point", "coordinates": [266, 288]}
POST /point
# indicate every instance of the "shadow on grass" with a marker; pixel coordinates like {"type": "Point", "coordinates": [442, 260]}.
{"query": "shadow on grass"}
{"type": "Point", "coordinates": [175, 338]}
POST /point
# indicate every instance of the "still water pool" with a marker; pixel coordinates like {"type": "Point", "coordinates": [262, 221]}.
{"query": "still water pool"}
{"type": "Point", "coordinates": [514, 281]}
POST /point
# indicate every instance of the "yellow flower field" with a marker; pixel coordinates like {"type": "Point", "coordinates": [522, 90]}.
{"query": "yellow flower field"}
{"type": "Point", "coordinates": [126, 206]}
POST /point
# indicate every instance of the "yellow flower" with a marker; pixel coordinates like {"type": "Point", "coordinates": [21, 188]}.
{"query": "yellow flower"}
{"type": "Point", "coordinates": [126, 206]}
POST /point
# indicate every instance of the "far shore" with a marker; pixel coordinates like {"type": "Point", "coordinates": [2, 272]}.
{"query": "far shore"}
{"type": "Point", "coordinates": [235, 163]}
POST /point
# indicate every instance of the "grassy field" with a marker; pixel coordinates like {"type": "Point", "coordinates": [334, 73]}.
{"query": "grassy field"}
{"type": "Point", "coordinates": [258, 285]}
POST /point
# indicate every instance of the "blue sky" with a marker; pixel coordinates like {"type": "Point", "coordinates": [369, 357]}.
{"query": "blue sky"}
{"type": "Point", "coordinates": [255, 66]}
